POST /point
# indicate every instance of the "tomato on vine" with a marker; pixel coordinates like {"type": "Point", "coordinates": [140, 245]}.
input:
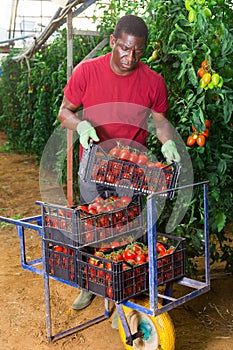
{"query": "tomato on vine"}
{"type": "Point", "coordinates": [206, 78]}
{"type": "Point", "coordinates": [206, 132]}
{"type": "Point", "coordinates": [201, 140]}
{"type": "Point", "coordinates": [201, 71]}
{"type": "Point", "coordinates": [204, 64]}
{"type": "Point", "coordinates": [191, 140]}
{"type": "Point", "coordinates": [207, 123]}
{"type": "Point", "coordinates": [215, 79]}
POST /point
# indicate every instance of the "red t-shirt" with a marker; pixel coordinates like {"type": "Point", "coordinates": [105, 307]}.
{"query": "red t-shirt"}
{"type": "Point", "coordinates": [117, 106]}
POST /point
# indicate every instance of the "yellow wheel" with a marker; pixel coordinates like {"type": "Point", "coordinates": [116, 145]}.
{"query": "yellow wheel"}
{"type": "Point", "coordinates": [158, 331]}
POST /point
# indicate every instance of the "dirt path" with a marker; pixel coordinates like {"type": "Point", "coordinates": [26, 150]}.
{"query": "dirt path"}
{"type": "Point", "coordinates": [205, 323]}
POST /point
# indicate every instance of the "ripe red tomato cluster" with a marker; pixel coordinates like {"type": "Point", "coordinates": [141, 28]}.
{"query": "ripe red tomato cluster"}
{"type": "Point", "coordinates": [130, 169]}
{"type": "Point", "coordinates": [135, 269]}
{"type": "Point", "coordinates": [62, 257]}
{"type": "Point", "coordinates": [101, 205]}
{"type": "Point", "coordinates": [199, 138]}
{"type": "Point", "coordinates": [106, 218]}
{"type": "Point", "coordinates": [129, 155]}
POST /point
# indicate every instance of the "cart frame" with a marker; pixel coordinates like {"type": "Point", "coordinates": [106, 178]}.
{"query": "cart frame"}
{"type": "Point", "coordinates": [168, 303]}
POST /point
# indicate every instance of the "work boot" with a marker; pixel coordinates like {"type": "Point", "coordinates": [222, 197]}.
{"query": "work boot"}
{"type": "Point", "coordinates": [115, 320]}
{"type": "Point", "coordinates": [83, 300]}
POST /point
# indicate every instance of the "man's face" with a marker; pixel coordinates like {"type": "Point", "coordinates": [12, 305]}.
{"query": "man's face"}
{"type": "Point", "coordinates": [126, 53]}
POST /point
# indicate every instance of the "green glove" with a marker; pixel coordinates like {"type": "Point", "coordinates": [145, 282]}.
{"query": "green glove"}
{"type": "Point", "coordinates": [86, 132]}
{"type": "Point", "coordinates": [170, 152]}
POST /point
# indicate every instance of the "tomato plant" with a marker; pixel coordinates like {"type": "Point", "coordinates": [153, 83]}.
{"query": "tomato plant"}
{"type": "Point", "coordinates": [184, 46]}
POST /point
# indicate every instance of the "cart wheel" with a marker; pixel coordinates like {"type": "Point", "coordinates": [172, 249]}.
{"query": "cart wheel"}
{"type": "Point", "coordinates": [158, 331]}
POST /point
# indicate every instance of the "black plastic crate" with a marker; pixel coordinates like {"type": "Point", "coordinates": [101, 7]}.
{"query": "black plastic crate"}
{"type": "Point", "coordinates": [78, 228]}
{"type": "Point", "coordinates": [119, 281]}
{"type": "Point", "coordinates": [97, 166]}
{"type": "Point", "coordinates": [61, 260]}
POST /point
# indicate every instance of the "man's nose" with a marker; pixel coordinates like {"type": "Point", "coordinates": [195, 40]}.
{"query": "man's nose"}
{"type": "Point", "coordinates": [131, 56]}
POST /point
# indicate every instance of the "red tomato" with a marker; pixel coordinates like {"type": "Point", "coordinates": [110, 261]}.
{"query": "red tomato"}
{"type": "Point", "coordinates": [109, 207]}
{"type": "Point", "coordinates": [114, 152]}
{"type": "Point", "coordinates": [207, 123]}
{"type": "Point", "coordinates": [201, 140]}
{"type": "Point", "coordinates": [142, 159]}
{"type": "Point", "coordinates": [129, 255]}
{"type": "Point", "coordinates": [201, 71]}
{"type": "Point", "coordinates": [206, 132]}
{"type": "Point", "coordinates": [204, 64]}
{"type": "Point", "coordinates": [58, 248]}
{"type": "Point", "coordinates": [99, 200]}
{"type": "Point", "coordinates": [124, 154]}
{"type": "Point", "coordinates": [82, 207]}
{"type": "Point", "coordinates": [125, 200]}
{"type": "Point", "coordinates": [140, 258]}
{"type": "Point", "coordinates": [109, 292]}
{"type": "Point", "coordinates": [93, 261]}
{"type": "Point", "coordinates": [160, 248]}
{"type": "Point", "coordinates": [92, 211]}
{"type": "Point", "coordinates": [100, 208]}
{"type": "Point", "coordinates": [115, 244]}
{"type": "Point", "coordinates": [136, 248]}
{"type": "Point", "coordinates": [190, 141]}
{"type": "Point", "coordinates": [159, 165]}
{"type": "Point", "coordinates": [133, 157]}
{"type": "Point", "coordinates": [99, 253]}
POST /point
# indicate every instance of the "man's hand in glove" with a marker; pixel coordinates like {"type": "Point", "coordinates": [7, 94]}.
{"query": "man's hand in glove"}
{"type": "Point", "coordinates": [170, 152]}
{"type": "Point", "coordinates": [86, 132]}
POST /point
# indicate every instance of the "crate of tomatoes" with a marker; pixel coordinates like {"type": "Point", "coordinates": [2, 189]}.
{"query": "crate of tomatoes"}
{"type": "Point", "coordinates": [103, 219]}
{"type": "Point", "coordinates": [125, 167]}
{"type": "Point", "coordinates": [120, 270]}
{"type": "Point", "coordinates": [61, 260]}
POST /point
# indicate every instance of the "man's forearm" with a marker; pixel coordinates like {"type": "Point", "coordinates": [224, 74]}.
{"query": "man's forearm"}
{"type": "Point", "coordinates": [164, 129]}
{"type": "Point", "coordinates": [68, 119]}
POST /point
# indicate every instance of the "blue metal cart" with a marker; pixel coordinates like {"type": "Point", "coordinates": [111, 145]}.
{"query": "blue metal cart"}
{"type": "Point", "coordinates": [144, 322]}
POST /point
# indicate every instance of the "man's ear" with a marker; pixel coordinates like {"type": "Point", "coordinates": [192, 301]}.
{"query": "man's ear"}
{"type": "Point", "coordinates": [112, 41]}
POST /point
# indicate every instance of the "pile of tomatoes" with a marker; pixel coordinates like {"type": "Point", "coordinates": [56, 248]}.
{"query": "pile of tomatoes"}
{"type": "Point", "coordinates": [61, 261]}
{"type": "Point", "coordinates": [105, 218]}
{"type": "Point", "coordinates": [133, 258]}
{"type": "Point", "coordinates": [101, 205]}
{"type": "Point", "coordinates": [134, 253]}
{"type": "Point", "coordinates": [208, 78]}
{"type": "Point", "coordinates": [128, 168]}
{"type": "Point", "coordinates": [199, 138]}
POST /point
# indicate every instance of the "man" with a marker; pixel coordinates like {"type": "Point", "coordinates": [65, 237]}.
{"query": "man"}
{"type": "Point", "coordinates": [117, 81]}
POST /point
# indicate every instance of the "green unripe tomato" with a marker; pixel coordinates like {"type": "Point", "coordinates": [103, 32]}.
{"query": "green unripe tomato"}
{"type": "Point", "coordinates": [211, 85]}
{"type": "Point", "coordinates": [188, 4]}
{"type": "Point", "coordinates": [207, 12]}
{"type": "Point", "coordinates": [202, 84]}
{"type": "Point", "coordinates": [192, 16]}
{"type": "Point", "coordinates": [220, 84]}
{"type": "Point", "coordinates": [215, 79]}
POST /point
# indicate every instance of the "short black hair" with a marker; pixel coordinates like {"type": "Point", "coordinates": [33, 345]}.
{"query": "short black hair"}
{"type": "Point", "coordinates": [132, 25]}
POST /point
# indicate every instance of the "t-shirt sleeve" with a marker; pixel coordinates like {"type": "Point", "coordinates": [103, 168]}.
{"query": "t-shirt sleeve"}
{"type": "Point", "coordinates": [75, 86]}
{"type": "Point", "coordinates": [160, 100]}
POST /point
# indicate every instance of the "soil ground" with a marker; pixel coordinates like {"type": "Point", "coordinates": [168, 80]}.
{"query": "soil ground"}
{"type": "Point", "coordinates": [203, 323]}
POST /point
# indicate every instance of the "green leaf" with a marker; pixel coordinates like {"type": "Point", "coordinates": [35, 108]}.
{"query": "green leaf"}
{"type": "Point", "coordinates": [192, 76]}
{"type": "Point", "coordinates": [220, 221]}
{"type": "Point", "coordinates": [227, 109]}
{"type": "Point", "coordinates": [222, 166]}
